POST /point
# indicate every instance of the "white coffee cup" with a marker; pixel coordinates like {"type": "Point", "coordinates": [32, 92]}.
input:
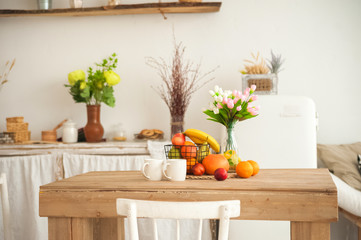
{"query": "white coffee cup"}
{"type": "Point", "coordinates": [152, 169]}
{"type": "Point", "coordinates": [175, 169]}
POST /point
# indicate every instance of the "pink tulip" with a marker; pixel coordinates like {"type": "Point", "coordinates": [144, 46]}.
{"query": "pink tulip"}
{"type": "Point", "coordinates": [253, 88]}
{"type": "Point", "coordinates": [239, 108]}
{"type": "Point", "coordinates": [253, 98]}
{"type": "Point", "coordinates": [230, 104]}
{"type": "Point", "coordinates": [234, 93]}
{"type": "Point", "coordinates": [243, 98]}
{"type": "Point", "coordinates": [219, 106]}
{"type": "Point", "coordinates": [235, 100]}
{"type": "Point", "coordinates": [225, 100]}
{"type": "Point", "coordinates": [257, 108]}
{"type": "Point", "coordinates": [239, 94]}
{"type": "Point", "coordinates": [246, 93]}
{"type": "Point", "coordinates": [252, 111]}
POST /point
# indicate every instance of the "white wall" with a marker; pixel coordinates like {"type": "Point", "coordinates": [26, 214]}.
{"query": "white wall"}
{"type": "Point", "coordinates": [319, 39]}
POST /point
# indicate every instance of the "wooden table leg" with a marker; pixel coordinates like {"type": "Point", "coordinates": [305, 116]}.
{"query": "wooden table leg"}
{"type": "Point", "coordinates": [121, 229]}
{"type": "Point", "coordinates": [106, 228]}
{"type": "Point", "coordinates": [59, 228]}
{"type": "Point", "coordinates": [310, 231]}
{"type": "Point", "coordinates": [82, 228]}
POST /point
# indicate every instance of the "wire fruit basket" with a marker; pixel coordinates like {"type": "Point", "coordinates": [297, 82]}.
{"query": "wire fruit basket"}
{"type": "Point", "coordinates": [193, 153]}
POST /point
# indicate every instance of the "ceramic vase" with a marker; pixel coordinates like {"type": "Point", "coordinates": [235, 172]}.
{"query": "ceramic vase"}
{"type": "Point", "coordinates": [93, 130]}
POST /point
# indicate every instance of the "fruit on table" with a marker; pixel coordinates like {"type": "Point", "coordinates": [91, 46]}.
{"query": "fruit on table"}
{"type": "Point", "coordinates": [214, 161]}
{"type": "Point", "coordinates": [198, 169]}
{"type": "Point", "coordinates": [255, 167]}
{"type": "Point", "coordinates": [190, 163]}
{"type": "Point", "coordinates": [244, 169]}
{"type": "Point", "coordinates": [232, 157]}
{"type": "Point", "coordinates": [199, 137]}
{"type": "Point", "coordinates": [220, 174]}
{"type": "Point", "coordinates": [188, 150]}
{"type": "Point", "coordinates": [174, 153]}
{"type": "Point", "coordinates": [178, 139]}
{"type": "Point", "coordinates": [203, 151]}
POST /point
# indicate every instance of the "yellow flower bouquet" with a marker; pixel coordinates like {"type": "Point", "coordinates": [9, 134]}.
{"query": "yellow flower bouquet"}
{"type": "Point", "coordinates": [99, 85]}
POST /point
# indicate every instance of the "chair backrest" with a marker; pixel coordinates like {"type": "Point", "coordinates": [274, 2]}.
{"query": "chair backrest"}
{"type": "Point", "coordinates": [222, 210]}
{"type": "Point", "coordinates": [5, 206]}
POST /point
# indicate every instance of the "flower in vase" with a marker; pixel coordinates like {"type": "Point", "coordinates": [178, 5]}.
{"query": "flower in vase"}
{"type": "Point", "coordinates": [233, 108]}
{"type": "Point", "coordinates": [98, 87]}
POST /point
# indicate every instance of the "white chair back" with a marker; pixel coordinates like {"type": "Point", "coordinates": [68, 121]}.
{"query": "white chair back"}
{"type": "Point", "coordinates": [5, 206]}
{"type": "Point", "coordinates": [222, 210]}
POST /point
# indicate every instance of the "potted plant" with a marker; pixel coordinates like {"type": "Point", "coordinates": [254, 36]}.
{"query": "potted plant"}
{"type": "Point", "coordinates": [265, 77]}
{"type": "Point", "coordinates": [94, 90]}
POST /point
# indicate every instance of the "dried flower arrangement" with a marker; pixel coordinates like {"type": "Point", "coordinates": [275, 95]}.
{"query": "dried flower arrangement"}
{"type": "Point", "coordinates": [180, 79]}
{"type": "Point", "coordinates": [264, 76]}
{"type": "Point", "coordinates": [258, 65]}
{"type": "Point", "coordinates": [5, 72]}
{"type": "Point", "coordinates": [275, 63]}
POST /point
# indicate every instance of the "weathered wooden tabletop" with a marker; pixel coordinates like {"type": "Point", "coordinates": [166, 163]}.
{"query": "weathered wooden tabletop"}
{"type": "Point", "coordinates": [273, 194]}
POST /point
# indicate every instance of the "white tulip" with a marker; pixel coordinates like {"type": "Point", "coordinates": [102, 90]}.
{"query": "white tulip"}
{"type": "Point", "coordinates": [211, 106]}
{"type": "Point", "coordinates": [216, 88]}
{"type": "Point", "coordinates": [216, 110]}
{"type": "Point", "coordinates": [212, 93]}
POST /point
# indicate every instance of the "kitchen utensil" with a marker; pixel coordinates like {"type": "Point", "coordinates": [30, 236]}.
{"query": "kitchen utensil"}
{"type": "Point", "coordinates": [50, 135]}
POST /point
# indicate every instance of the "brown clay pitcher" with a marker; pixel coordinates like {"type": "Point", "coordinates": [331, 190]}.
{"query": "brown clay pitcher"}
{"type": "Point", "coordinates": [93, 130]}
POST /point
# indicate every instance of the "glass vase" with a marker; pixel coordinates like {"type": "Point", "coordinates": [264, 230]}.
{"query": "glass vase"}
{"type": "Point", "coordinates": [231, 147]}
{"type": "Point", "coordinates": [267, 84]}
{"type": "Point", "coordinates": [176, 124]}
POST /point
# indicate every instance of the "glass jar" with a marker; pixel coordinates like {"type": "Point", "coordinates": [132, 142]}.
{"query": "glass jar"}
{"type": "Point", "coordinates": [117, 134]}
{"type": "Point", "coordinates": [70, 132]}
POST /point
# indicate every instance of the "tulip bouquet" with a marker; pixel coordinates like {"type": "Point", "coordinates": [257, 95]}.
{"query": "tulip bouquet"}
{"type": "Point", "coordinates": [99, 85]}
{"type": "Point", "coordinates": [228, 108]}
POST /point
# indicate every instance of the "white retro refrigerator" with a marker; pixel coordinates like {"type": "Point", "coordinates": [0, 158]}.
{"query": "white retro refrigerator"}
{"type": "Point", "coordinates": [282, 136]}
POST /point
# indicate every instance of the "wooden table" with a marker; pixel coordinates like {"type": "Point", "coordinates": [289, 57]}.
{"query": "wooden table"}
{"type": "Point", "coordinates": [83, 207]}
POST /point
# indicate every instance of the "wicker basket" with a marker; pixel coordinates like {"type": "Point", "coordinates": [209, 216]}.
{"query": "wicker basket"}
{"type": "Point", "coordinates": [17, 127]}
{"type": "Point", "coordinates": [15, 120]}
{"type": "Point", "coordinates": [18, 137]}
{"type": "Point", "coordinates": [265, 83]}
{"type": "Point", "coordinates": [193, 154]}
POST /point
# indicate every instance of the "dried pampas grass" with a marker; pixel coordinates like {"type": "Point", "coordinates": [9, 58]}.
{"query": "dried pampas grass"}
{"type": "Point", "coordinates": [5, 72]}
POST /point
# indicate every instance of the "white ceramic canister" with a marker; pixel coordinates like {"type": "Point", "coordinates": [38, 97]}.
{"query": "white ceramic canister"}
{"type": "Point", "coordinates": [70, 132]}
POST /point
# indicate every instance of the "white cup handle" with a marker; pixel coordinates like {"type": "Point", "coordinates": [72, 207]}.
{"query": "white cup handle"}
{"type": "Point", "coordinates": [144, 165]}
{"type": "Point", "coordinates": [164, 170]}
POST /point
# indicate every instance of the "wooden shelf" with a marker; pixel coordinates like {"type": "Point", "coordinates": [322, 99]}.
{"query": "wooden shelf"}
{"type": "Point", "coordinates": [147, 8]}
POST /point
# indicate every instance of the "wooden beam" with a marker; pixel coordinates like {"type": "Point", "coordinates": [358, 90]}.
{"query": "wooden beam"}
{"type": "Point", "coordinates": [147, 8]}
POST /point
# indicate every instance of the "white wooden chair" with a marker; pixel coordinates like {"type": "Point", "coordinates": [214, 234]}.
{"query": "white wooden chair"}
{"type": "Point", "coordinates": [5, 207]}
{"type": "Point", "coordinates": [222, 210]}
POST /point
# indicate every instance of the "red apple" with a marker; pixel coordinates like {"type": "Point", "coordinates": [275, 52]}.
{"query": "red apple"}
{"type": "Point", "coordinates": [178, 139]}
{"type": "Point", "coordinates": [220, 174]}
{"type": "Point", "coordinates": [198, 169]}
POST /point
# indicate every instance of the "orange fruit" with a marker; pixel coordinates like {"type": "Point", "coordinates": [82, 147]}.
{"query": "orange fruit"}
{"type": "Point", "coordinates": [255, 166]}
{"type": "Point", "coordinates": [215, 161]}
{"type": "Point", "coordinates": [244, 169]}
{"type": "Point", "coordinates": [189, 150]}
{"type": "Point", "coordinates": [190, 163]}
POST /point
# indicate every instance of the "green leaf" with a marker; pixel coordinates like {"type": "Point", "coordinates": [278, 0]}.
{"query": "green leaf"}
{"type": "Point", "coordinates": [108, 97]}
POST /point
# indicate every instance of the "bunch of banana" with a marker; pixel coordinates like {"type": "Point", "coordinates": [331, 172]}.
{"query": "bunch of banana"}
{"type": "Point", "coordinates": [199, 137]}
